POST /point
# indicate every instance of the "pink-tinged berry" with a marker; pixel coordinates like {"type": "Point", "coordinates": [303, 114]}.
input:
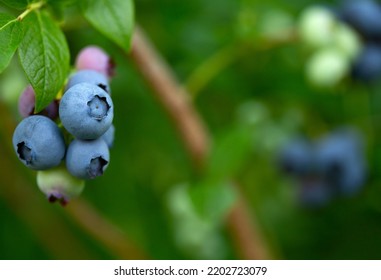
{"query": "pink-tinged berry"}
{"type": "Point", "coordinates": [27, 102]}
{"type": "Point", "coordinates": [95, 58]}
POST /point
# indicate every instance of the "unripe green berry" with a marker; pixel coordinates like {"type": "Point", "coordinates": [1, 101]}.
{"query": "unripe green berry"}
{"type": "Point", "coordinates": [58, 185]}
{"type": "Point", "coordinates": [316, 27]}
{"type": "Point", "coordinates": [327, 67]}
{"type": "Point", "coordinates": [347, 41]}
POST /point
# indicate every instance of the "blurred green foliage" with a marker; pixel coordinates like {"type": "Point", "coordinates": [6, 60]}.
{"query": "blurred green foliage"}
{"type": "Point", "coordinates": [252, 105]}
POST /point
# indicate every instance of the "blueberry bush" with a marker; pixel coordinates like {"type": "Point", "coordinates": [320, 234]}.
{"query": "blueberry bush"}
{"type": "Point", "coordinates": [190, 129]}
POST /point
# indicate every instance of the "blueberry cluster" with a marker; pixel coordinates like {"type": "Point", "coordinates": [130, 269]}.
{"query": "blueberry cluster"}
{"type": "Point", "coordinates": [365, 17]}
{"type": "Point", "coordinates": [332, 166]}
{"type": "Point", "coordinates": [76, 128]}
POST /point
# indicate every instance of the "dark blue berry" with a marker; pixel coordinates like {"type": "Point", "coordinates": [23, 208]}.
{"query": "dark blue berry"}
{"type": "Point", "coordinates": [39, 143]}
{"type": "Point", "coordinates": [86, 111]}
{"type": "Point", "coordinates": [87, 159]}
{"type": "Point", "coordinates": [364, 16]}
{"type": "Point", "coordinates": [367, 66]}
{"type": "Point", "coordinates": [296, 157]}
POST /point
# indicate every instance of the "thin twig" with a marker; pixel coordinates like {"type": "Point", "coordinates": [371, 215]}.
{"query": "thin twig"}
{"type": "Point", "coordinates": [175, 101]}
{"type": "Point", "coordinates": [103, 230]}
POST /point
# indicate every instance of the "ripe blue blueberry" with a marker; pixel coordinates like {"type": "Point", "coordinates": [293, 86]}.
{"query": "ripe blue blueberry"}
{"type": "Point", "coordinates": [89, 76]}
{"type": "Point", "coordinates": [87, 159]}
{"type": "Point", "coordinates": [314, 192]}
{"type": "Point", "coordinates": [86, 111]}
{"type": "Point", "coordinates": [367, 66]}
{"type": "Point", "coordinates": [38, 143]}
{"type": "Point", "coordinates": [296, 157]}
{"type": "Point", "coordinates": [340, 160]}
{"type": "Point", "coordinates": [364, 16]}
{"type": "Point", "coordinates": [108, 137]}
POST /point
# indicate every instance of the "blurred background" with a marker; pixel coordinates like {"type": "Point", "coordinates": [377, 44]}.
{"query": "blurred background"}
{"type": "Point", "coordinates": [253, 76]}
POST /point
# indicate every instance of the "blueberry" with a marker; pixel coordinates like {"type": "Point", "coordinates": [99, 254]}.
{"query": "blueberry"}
{"type": "Point", "coordinates": [91, 77]}
{"type": "Point", "coordinates": [316, 26]}
{"type": "Point", "coordinates": [86, 111]}
{"type": "Point", "coordinates": [314, 192]}
{"type": "Point", "coordinates": [58, 185]}
{"type": "Point", "coordinates": [95, 58]}
{"type": "Point", "coordinates": [39, 143]}
{"type": "Point", "coordinates": [340, 160]}
{"type": "Point", "coordinates": [364, 16]}
{"type": "Point", "coordinates": [27, 102]}
{"type": "Point", "coordinates": [367, 66]}
{"type": "Point", "coordinates": [327, 67]}
{"type": "Point", "coordinates": [108, 136]}
{"type": "Point", "coordinates": [87, 159]}
{"type": "Point", "coordinates": [296, 157]}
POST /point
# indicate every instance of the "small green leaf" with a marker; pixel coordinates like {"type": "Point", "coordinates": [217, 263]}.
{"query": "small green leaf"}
{"type": "Point", "coordinates": [16, 4]}
{"type": "Point", "coordinates": [10, 38]}
{"type": "Point", "coordinates": [45, 57]}
{"type": "Point", "coordinates": [213, 200]}
{"type": "Point", "coordinates": [229, 153]}
{"type": "Point", "coordinates": [113, 18]}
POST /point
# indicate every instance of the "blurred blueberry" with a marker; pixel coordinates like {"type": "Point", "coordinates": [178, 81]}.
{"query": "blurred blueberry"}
{"type": "Point", "coordinates": [314, 192]}
{"type": "Point", "coordinates": [340, 159]}
{"type": "Point", "coordinates": [95, 58]}
{"type": "Point", "coordinates": [364, 16]}
{"type": "Point", "coordinates": [296, 157]}
{"type": "Point", "coordinates": [367, 66]}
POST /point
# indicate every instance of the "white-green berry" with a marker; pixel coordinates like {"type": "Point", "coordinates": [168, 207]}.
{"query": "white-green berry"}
{"type": "Point", "coordinates": [327, 67]}
{"type": "Point", "coordinates": [317, 26]}
{"type": "Point", "coordinates": [58, 185]}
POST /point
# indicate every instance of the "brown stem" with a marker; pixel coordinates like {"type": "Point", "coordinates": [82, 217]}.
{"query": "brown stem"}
{"type": "Point", "coordinates": [175, 101]}
{"type": "Point", "coordinates": [172, 97]}
{"type": "Point", "coordinates": [247, 237]}
{"type": "Point", "coordinates": [102, 230]}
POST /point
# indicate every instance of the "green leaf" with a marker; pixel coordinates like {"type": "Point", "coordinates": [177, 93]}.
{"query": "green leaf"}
{"type": "Point", "coordinates": [16, 4]}
{"type": "Point", "coordinates": [113, 18]}
{"type": "Point", "coordinates": [45, 57]}
{"type": "Point", "coordinates": [229, 153]}
{"type": "Point", "coordinates": [213, 200]}
{"type": "Point", "coordinates": [10, 38]}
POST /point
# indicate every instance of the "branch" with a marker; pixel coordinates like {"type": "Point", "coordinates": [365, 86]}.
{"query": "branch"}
{"type": "Point", "coordinates": [175, 101]}
{"type": "Point", "coordinates": [172, 97]}
{"type": "Point", "coordinates": [248, 239]}
{"type": "Point", "coordinates": [103, 230]}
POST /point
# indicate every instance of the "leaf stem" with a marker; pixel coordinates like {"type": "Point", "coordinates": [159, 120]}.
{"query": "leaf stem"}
{"type": "Point", "coordinates": [31, 8]}
{"type": "Point", "coordinates": [226, 56]}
